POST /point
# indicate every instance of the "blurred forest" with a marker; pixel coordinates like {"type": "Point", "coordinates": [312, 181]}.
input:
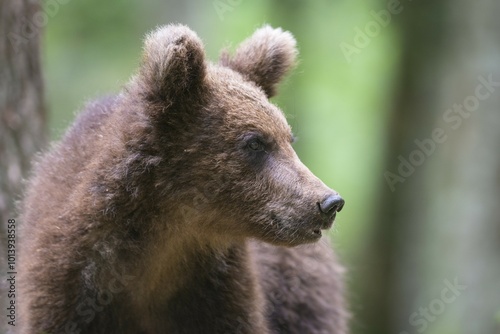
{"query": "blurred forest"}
{"type": "Point", "coordinates": [396, 105]}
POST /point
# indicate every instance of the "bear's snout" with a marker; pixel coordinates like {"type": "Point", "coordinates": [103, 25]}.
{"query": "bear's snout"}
{"type": "Point", "coordinates": [331, 204]}
{"type": "Point", "coordinates": [328, 208]}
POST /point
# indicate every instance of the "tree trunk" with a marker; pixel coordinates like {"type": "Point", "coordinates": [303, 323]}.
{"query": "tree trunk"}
{"type": "Point", "coordinates": [435, 251]}
{"type": "Point", "coordinates": [22, 112]}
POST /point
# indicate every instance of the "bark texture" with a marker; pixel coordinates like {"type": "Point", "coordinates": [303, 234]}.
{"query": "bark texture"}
{"type": "Point", "coordinates": [22, 110]}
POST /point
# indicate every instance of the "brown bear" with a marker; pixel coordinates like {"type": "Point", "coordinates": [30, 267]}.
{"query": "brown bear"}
{"type": "Point", "coordinates": [180, 206]}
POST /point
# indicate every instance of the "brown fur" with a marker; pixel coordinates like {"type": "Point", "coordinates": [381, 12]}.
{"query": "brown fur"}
{"type": "Point", "coordinates": [155, 215]}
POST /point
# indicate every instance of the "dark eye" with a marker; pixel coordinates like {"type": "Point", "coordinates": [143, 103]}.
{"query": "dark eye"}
{"type": "Point", "coordinates": [255, 145]}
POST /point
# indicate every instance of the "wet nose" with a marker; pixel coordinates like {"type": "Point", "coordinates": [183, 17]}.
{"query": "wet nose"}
{"type": "Point", "coordinates": [331, 204]}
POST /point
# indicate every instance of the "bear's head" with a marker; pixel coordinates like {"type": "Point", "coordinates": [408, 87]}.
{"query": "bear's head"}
{"type": "Point", "coordinates": [227, 162]}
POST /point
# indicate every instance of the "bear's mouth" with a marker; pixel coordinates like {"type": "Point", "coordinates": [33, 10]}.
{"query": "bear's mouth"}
{"type": "Point", "coordinates": [317, 232]}
{"type": "Point", "coordinates": [305, 231]}
{"type": "Point", "coordinates": [325, 225]}
{"type": "Point", "coordinates": [312, 235]}
{"type": "Point", "coordinates": [328, 223]}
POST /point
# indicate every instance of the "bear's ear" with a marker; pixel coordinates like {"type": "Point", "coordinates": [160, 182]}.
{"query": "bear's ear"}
{"type": "Point", "coordinates": [264, 58]}
{"type": "Point", "coordinates": [173, 64]}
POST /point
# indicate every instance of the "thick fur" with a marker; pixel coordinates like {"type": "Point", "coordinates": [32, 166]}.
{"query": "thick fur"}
{"type": "Point", "coordinates": [179, 206]}
{"type": "Point", "coordinates": [264, 58]}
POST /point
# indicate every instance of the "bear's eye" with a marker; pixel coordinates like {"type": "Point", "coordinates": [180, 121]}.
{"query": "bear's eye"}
{"type": "Point", "coordinates": [255, 145]}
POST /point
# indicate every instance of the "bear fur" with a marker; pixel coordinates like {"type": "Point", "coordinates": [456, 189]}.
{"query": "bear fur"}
{"type": "Point", "coordinates": [179, 206]}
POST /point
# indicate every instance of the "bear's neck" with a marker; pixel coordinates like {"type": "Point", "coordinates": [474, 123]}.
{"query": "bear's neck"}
{"type": "Point", "coordinates": [199, 288]}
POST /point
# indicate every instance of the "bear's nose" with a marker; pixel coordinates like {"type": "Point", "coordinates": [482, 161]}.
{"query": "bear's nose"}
{"type": "Point", "coordinates": [331, 204]}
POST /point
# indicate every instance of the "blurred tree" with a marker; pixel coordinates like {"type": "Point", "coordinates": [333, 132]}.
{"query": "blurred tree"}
{"type": "Point", "coordinates": [22, 112]}
{"type": "Point", "coordinates": [438, 232]}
